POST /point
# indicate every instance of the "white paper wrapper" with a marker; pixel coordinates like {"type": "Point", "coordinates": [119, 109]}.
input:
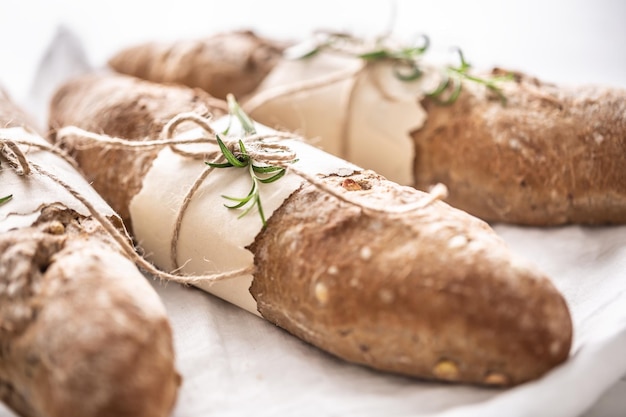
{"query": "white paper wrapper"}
{"type": "Point", "coordinates": [33, 192]}
{"type": "Point", "coordinates": [365, 118]}
{"type": "Point", "coordinates": [213, 238]}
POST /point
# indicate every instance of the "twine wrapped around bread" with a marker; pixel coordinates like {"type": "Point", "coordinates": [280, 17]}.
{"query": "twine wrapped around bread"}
{"type": "Point", "coordinates": [270, 153]}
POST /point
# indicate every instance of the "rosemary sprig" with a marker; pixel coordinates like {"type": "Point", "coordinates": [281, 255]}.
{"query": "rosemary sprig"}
{"type": "Point", "coordinates": [453, 79]}
{"type": "Point", "coordinates": [408, 58]}
{"type": "Point", "coordinates": [235, 110]}
{"type": "Point", "coordinates": [403, 57]}
{"type": "Point", "coordinates": [260, 174]}
{"type": "Point", "coordinates": [5, 199]}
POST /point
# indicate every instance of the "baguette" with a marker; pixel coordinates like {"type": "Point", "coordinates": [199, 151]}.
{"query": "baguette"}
{"type": "Point", "coordinates": [433, 293]}
{"type": "Point", "coordinates": [82, 332]}
{"type": "Point", "coordinates": [552, 155]}
{"type": "Point", "coordinates": [231, 62]}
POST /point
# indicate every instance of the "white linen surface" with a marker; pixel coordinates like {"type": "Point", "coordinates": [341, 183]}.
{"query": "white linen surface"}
{"type": "Point", "coordinates": [236, 364]}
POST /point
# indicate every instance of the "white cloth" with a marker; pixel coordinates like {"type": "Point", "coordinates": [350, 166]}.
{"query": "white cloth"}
{"type": "Point", "coordinates": [236, 364]}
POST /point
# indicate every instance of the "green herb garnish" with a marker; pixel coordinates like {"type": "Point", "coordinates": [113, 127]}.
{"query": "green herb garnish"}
{"type": "Point", "coordinates": [241, 159]}
{"type": "Point", "coordinates": [407, 64]}
{"type": "Point", "coordinates": [6, 198]}
{"type": "Point", "coordinates": [258, 174]}
{"type": "Point", "coordinates": [404, 58]}
{"type": "Point", "coordinates": [235, 110]}
{"type": "Point", "coordinates": [454, 76]}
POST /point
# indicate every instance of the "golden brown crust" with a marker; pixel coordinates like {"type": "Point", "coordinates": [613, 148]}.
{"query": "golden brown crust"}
{"type": "Point", "coordinates": [434, 294]}
{"type": "Point", "coordinates": [82, 332]}
{"type": "Point", "coordinates": [128, 108]}
{"type": "Point", "coordinates": [233, 62]}
{"type": "Point", "coordinates": [552, 155]}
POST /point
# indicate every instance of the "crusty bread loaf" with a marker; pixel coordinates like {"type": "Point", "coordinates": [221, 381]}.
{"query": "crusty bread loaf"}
{"type": "Point", "coordinates": [433, 293]}
{"type": "Point", "coordinates": [82, 333]}
{"type": "Point", "coordinates": [85, 334]}
{"type": "Point", "coordinates": [229, 62]}
{"type": "Point", "coordinates": [552, 155]}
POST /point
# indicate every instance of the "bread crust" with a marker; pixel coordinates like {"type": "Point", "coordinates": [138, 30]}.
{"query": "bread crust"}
{"type": "Point", "coordinates": [434, 293]}
{"type": "Point", "coordinates": [552, 155]}
{"type": "Point", "coordinates": [225, 63]}
{"type": "Point", "coordinates": [85, 334]}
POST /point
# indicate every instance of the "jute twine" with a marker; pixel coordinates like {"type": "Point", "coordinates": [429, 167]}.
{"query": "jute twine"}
{"type": "Point", "coordinates": [262, 148]}
{"type": "Point", "coordinates": [269, 95]}
{"type": "Point", "coordinates": [17, 159]}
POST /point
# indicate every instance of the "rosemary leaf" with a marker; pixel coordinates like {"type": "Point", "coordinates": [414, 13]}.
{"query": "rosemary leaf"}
{"type": "Point", "coordinates": [261, 213]}
{"type": "Point", "coordinates": [218, 165]}
{"type": "Point", "coordinates": [437, 95]}
{"type": "Point", "coordinates": [458, 86]}
{"type": "Point", "coordinates": [418, 50]}
{"type": "Point", "coordinates": [242, 148]}
{"type": "Point", "coordinates": [230, 157]}
{"type": "Point", "coordinates": [443, 85]}
{"type": "Point", "coordinates": [259, 174]}
{"type": "Point", "coordinates": [309, 54]}
{"type": "Point", "coordinates": [265, 169]}
{"type": "Point", "coordinates": [256, 202]}
{"type": "Point", "coordinates": [235, 109]}
{"type": "Point", "coordinates": [375, 55]}
{"type": "Point", "coordinates": [273, 178]}
{"type": "Point", "coordinates": [6, 198]}
{"type": "Point", "coordinates": [242, 201]}
{"type": "Point", "coordinates": [414, 73]}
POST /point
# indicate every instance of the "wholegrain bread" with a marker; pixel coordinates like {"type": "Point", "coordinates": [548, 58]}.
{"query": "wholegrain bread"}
{"type": "Point", "coordinates": [433, 293]}
{"type": "Point", "coordinates": [436, 294]}
{"type": "Point", "coordinates": [82, 333]}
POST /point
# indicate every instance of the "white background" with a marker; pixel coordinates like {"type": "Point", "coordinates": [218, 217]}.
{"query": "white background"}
{"type": "Point", "coordinates": [559, 40]}
{"type": "Point", "coordinates": [562, 41]}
